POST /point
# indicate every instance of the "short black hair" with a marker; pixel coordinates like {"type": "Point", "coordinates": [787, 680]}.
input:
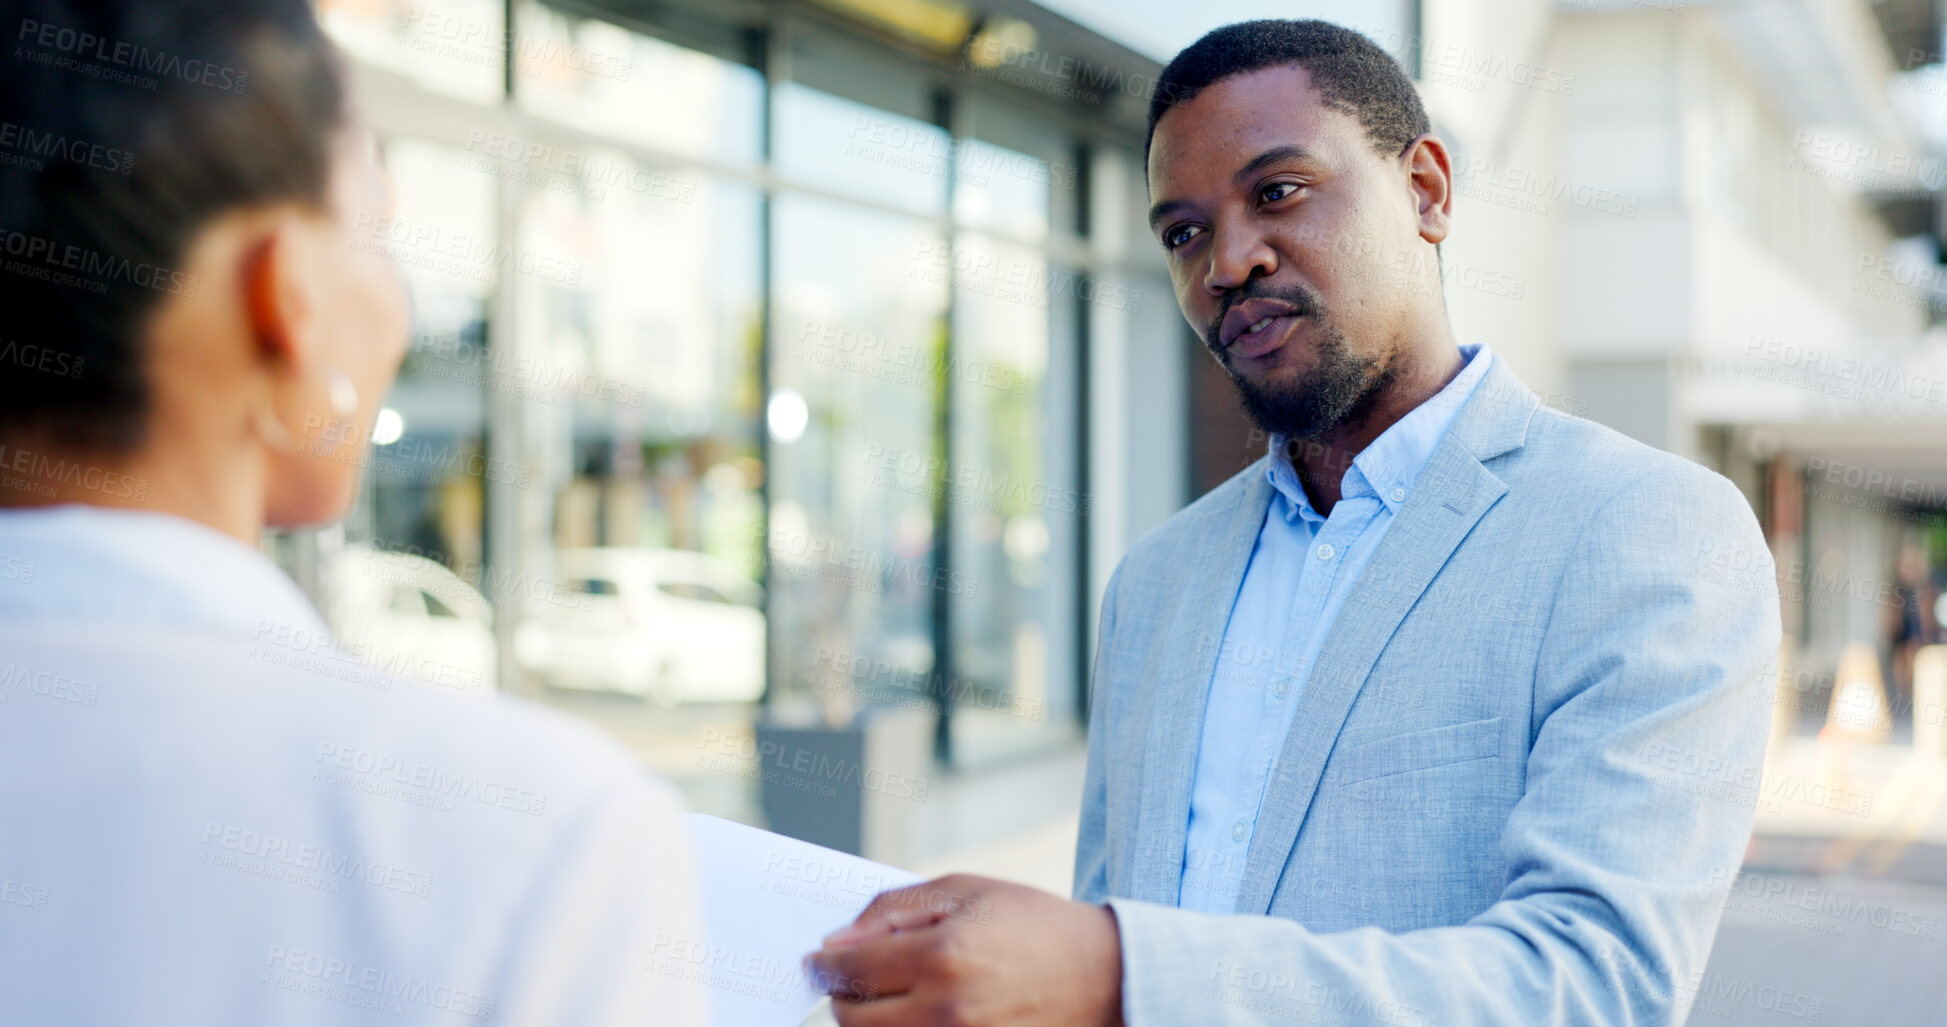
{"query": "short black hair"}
{"type": "Point", "coordinates": [127, 127]}
{"type": "Point", "coordinates": [1350, 72]}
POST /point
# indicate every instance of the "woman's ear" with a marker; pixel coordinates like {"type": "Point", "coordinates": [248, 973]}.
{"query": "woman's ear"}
{"type": "Point", "coordinates": [277, 296]}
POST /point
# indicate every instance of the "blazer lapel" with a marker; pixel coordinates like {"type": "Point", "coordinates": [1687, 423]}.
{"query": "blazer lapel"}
{"type": "Point", "coordinates": [1450, 496]}
{"type": "Point", "coordinates": [1178, 686]}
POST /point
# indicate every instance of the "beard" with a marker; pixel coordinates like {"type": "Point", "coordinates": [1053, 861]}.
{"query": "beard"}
{"type": "Point", "coordinates": [1340, 386]}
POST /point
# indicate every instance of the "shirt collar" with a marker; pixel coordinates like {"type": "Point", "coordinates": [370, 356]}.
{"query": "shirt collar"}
{"type": "Point", "coordinates": [1388, 467]}
{"type": "Point", "coordinates": [96, 564]}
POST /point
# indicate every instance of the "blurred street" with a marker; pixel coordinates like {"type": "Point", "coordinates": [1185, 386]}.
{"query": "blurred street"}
{"type": "Point", "coordinates": [1837, 917]}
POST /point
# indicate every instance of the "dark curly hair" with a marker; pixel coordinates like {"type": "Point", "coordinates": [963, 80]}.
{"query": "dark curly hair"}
{"type": "Point", "coordinates": [1350, 72]}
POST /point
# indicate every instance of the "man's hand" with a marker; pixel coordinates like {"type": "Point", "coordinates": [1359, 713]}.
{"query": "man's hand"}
{"type": "Point", "coordinates": [974, 951]}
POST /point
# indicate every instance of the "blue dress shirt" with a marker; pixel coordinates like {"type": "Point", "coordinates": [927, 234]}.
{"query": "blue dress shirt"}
{"type": "Point", "coordinates": [1302, 568]}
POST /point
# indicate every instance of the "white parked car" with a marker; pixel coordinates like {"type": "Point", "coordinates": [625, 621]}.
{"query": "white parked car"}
{"type": "Point", "coordinates": [412, 617]}
{"type": "Point", "coordinates": [670, 625]}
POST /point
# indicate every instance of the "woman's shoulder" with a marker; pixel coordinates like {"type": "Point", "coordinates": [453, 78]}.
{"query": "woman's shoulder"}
{"type": "Point", "coordinates": [294, 711]}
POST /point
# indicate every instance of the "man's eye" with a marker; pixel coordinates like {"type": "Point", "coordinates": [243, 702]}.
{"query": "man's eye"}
{"type": "Point", "coordinates": [1178, 235]}
{"type": "Point", "coordinates": [1278, 191]}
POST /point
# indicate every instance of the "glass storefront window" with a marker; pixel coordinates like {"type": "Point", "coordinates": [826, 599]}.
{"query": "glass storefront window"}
{"type": "Point", "coordinates": [407, 584]}
{"type": "Point", "coordinates": [831, 143]}
{"type": "Point", "coordinates": [1014, 174]}
{"type": "Point", "coordinates": [1001, 189]}
{"type": "Point", "coordinates": [605, 79]}
{"type": "Point", "coordinates": [589, 377]}
{"type": "Point", "coordinates": [650, 344]}
{"type": "Point", "coordinates": [637, 357]}
{"type": "Point", "coordinates": [856, 381]}
{"type": "Point", "coordinates": [1016, 507]}
{"type": "Point", "coordinates": [455, 47]}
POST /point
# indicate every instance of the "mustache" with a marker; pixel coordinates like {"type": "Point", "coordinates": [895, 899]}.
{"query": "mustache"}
{"type": "Point", "coordinates": [1302, 299]}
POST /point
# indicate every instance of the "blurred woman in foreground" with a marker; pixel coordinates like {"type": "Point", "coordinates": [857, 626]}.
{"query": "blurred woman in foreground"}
{"type": "Point", "coordinates": [210, 815]}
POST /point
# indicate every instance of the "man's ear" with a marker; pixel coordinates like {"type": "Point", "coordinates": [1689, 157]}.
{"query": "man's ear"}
{"type": "Point", "coordinates": [1429, 175]}
{"type": "Point", "coordinates": [280, 303]}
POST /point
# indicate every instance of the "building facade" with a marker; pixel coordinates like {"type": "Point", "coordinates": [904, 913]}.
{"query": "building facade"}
{"type": "Point", "coordinates": [774, 363]}
{"type": "Point", "coordinates": [788, 366]}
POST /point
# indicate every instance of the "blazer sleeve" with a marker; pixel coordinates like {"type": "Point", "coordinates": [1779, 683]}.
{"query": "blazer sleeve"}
{"type": "Point", "coordinates": [1657, 660]}
{"type": "Point", "coordinates": [1091, 854]}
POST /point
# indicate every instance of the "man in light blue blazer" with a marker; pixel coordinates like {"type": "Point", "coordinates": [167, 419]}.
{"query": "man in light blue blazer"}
{"type": "Point", "coordinates": [1449, 710]}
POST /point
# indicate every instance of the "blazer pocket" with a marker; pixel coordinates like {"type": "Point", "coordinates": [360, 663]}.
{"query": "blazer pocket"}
{"type": "Point", "coordinates": [1419, 750]}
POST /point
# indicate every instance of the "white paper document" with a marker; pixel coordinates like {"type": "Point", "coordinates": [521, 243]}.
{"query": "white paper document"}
{"type": "Point", "coordinates": [768, 901]}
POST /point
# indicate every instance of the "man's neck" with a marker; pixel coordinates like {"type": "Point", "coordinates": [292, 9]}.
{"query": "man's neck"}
{"type": "Point", "coordinates": [1321, 464]}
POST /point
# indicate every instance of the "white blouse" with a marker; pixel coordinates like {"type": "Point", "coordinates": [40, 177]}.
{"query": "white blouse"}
{"type": "Point", "coordinates": [210, 815]}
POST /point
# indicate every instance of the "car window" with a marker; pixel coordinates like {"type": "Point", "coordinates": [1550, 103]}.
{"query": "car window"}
{"type": "Point", "coordinates": [592, 586]}
{"type": "Point", "coordinates": [407, 599]}
{"type": "Point", "coordinates": [692, 590]}
{"type": "Point", "coordinates": [438, 607]}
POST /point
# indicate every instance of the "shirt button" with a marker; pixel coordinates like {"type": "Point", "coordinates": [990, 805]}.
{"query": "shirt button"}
{"type": "Point", "coordinates": [1399, 495]}
{"type": "Point", "coordinates": [1282, 689]}
{"type": "Point", "coordinates": [1325, 551]}
{"type": "Point", "coordinates": [1238, 830]}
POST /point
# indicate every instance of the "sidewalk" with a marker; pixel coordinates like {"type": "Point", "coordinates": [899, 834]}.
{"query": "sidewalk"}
{"type": "Point", "coordinates": [1873, 811]}
{"type": "Point", "coordinates": [1824, 808]}
{"type": "Point", "coordinates": [1836, 914]}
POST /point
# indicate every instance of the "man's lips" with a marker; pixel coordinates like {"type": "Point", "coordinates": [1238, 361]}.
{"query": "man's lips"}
{"type": "Point", "coordinates": [1264, 316]}
{"type": "Point", "coordinates": [1270, 334]}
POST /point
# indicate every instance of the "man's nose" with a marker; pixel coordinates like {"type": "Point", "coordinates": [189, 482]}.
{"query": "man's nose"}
{"type": "Point", "coordinates": [1236, 258]}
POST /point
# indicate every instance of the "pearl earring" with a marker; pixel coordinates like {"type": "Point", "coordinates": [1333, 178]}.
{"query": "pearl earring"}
{"type": "Point", "coordinates": [344, 395]}
{"type": "Point", "coordinates": [272, 431]}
